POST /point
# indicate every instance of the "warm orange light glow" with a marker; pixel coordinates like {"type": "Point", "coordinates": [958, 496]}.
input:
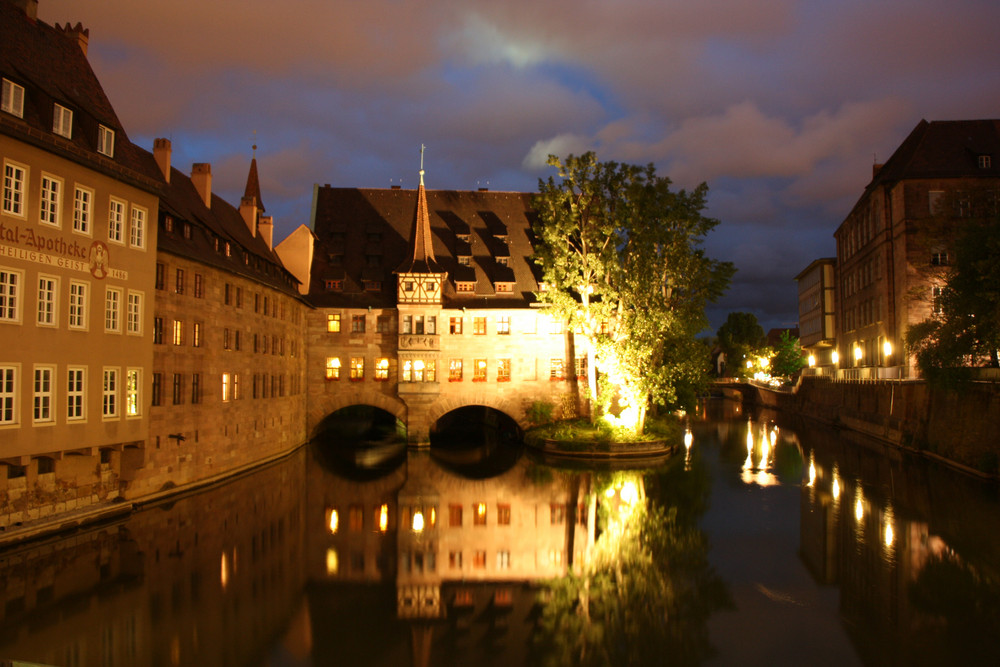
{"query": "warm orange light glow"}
{"type": "Point", "coordinates": [224, 571]}
{"type": "Point", "coordinates": [418, 521]}
{"type": "Point", "coordinates": [857, 353]}
{"type": "Point", "coordinates": [887, 348]}
{"type": "Point", "coordinates": [834, 357]}
{"type": "Point", "coordinates": [332, 561]}
{"type": "Point", "coordinates": [383, 518]}
{"type": "Point", "coordinates": [334, 521]}
{"type": "Point", "coordinates": [812, 360]}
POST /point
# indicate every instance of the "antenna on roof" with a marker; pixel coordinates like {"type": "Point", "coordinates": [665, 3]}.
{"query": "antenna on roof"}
{"type": "Point", "coordinates": [422, 147]}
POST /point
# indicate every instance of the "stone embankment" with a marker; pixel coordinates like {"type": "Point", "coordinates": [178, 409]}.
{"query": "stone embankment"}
{"type": "Point", "coordinates": [959, 427]}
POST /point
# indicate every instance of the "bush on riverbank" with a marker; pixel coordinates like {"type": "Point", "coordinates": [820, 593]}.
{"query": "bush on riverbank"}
{"type": "Point", "coordinates": [581, 432]}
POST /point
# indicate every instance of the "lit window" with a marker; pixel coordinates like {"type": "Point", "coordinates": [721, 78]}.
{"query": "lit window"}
{"type": "Point", "coordinates": [383, 518]}
{"type": "Point", "coordinates": [178, 337]}
{"type": "Point", "coordinates": [357, 368]}
{"type": "Point", "coordinates": [382, 369]}
{"type": "Point", "coordinates": [479, 559]}
{"type": "Point", "coordinates": [479, 514]}
{"type": "Point", "coordinates": [505, 287]}
{"type": "Point", "coordinates": [43, 391]}
{"type": "Point", "coordinates": [555, 326]}
{"type": "Point", "coordinates": [556, 369]}
{"type": "Point", "coordinates": [465, 260]}
{"type": "Point", "coordinates": [503, 563]}
{"type": "Point", "coordinates": [196, 334]}
{"type": "Point", "coordinates": [109, 393]}
{"type": "Point", "coordinates": [51, 197]}
{"type": "Point", "coordinates": [62, 121]}
{"type": "Point", "coordinates": [465, 287]}
{"type": "Point", "coordinates": [503, 325]}
{"type": "Point", "coordinates": [581, 367]}
{"type": "Point", "coordinates": [985, 161]}
{"type": "Point", "coordinates": [132, 384]}
{"type": "Point", "coordinates": [225, 386]}
{"type": "Point", "coordinates": [479, 326]}
{"type": "Point", "coordinates": [48, 291]}
{"type": "Point", "coordinates": [455, 561]}
{"type": "Point", "coordinates": [332, 521]}
{"type": "Point", "coordinates": [82, 200]}
{"type": "Point", "coordinates": [455, 516]}
{"type": "Point", "coordinates": [105, 141]}
{"type": "Point", "coordinates": [179, 283]}
{"type": "Point", "coordinates": [333, 368]}
{"type": "Point", "coordinates": [333, 323]}
{"type": "Point", "coordinates": [503, 370]}
{"type": "Point", "coordinates": [479, 370]}
{"type": "Point", "coordinates": [14, 178]}
{"type": "Point", "coordinates": [133, 321]}
{"type": "Point", "coordinates": [455, 370]}
{"type": "Point", "coordinates": [116, 220]}
{"type": "Point", "coordinates": [12, 99]}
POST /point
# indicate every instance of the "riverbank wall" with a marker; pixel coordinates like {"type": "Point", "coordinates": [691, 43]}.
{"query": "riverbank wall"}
{"type": "Point", "coordinates": [956, 426]}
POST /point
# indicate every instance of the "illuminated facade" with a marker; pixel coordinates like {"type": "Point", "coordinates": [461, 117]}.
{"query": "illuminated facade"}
{"type": "Point", "coordinates": [425, 303]}
{"type": "Point", "coordinates": [77, 257]}
{"type": "Point", "coordinates": [817, 314]}
{"type": "Point", "coordinates": [888, 276]}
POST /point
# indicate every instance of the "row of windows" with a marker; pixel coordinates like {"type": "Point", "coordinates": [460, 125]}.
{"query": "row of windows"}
{"type": "Point", "coordinates": [55, 397]}
{"type": "Point", "coordinates": [424, 517]}
{"type": "Point", "coordinates": [866, 312]}
{"type": "Point", "coordinates": [421, 324]}
{"type": "Point", "coordinates": [123, 309]}
{"type": "Point", "coordinates": [232, 339]}
{"type": "Point", "coordinates": [425, 370]}
{"type": "Point", "coordinates": [232, 295]}
{"type": "Point", "coordinates": [188, 388]}
{"type": "Point", "coordinates": [123, 217]}
{"type": "Point", "coordinates": [864, 275]}
{"type": "Point", "coordinates": [12, 102]}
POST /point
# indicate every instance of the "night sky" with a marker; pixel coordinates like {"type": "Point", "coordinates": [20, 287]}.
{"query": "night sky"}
{"type": "Point", "coordinates": [780, 106]}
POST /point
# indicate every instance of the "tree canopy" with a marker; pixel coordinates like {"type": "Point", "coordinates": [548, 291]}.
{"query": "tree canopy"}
{"type": "Point", "coordinates": [622, 262]}
{"type": "Point", "coordinates": [964, 327]}
{"type": "Point", "coordinates": [740, 336]}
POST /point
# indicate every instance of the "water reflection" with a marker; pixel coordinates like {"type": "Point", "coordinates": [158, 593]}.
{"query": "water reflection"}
{"type": "Point", "coordinates": [440, 558]}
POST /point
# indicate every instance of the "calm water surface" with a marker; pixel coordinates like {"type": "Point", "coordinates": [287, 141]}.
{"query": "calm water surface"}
{"type": "Point", "coordinates": [766, 543]}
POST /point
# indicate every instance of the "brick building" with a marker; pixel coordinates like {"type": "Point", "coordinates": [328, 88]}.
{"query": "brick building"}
{"type": "Point", "coordinates": [888, 274]}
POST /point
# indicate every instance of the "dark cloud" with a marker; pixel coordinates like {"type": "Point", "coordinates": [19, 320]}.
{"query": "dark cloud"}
{"type": "Point", "coordinates": [782, 107]}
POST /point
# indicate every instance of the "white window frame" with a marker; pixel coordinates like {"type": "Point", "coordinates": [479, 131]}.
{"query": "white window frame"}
{"type": "Point", "coordinates": [78, 310]}
{"type": "Point", "coordinates": [50, 200]}
{"type": "Point", "coordinates": [11, 281]}
{"type": "Point", "coordinates": [43, 394]}
{"type": "Point", "coordinates": [109, 392]}
{"type": "Point", "coordinates": [133, 393]}
{"type": "Point", "coordinates": [116, 220]}
{"type": "Point", "coordinates": [105, 140]}
{"type": "Point", "coordinates": [83, 204]}
{"type": "Point", "coordinates": [47, 314]}
{"type": "Point", "coordinates": [113, 310]}
{"type": "Point", "coordinates": [15, 188]}
{"type": "Point", "coordinates": [133, 319]}
{"type": "Point", "coordinates": [12, 98]}
{"type": "Point", "coordinates": [62, 120]}
{"type": "Point", "coordinates": [76, 393]}
{"type": "Point", "coordinates": [9, 395]}
{"type": "Point", "coordinates": [137, 227]}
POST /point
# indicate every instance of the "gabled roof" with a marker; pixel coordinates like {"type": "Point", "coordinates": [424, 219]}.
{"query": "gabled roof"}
{"type": "Point", "coordinates": [944, 149]}
{"type": "Point", "coordinates": [51, 66]}
{"type": "Point", "coordinates": [249, 255]}
{"type": "Point", "coordinates": [349, 222]}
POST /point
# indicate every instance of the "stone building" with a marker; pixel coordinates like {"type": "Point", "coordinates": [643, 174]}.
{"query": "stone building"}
{"type": "Point", "coordinates": [227, 384]}
{"type": "Point", "coordinates": [817, 285]}
{"type": "Point", "coordinates": [888, 273]}
{"type": "Point", "coordinates": [77, 263]}
{"type": "Point", "coordinates": [425, 302]}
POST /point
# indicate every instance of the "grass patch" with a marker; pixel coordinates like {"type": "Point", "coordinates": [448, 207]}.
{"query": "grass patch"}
{"type": "Point", "coordinates": [578, 433]}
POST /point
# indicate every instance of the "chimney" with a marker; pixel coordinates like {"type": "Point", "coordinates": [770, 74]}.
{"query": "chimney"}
{"type": "Point", "coordinates": [30, 8]}
{"type": "Point", "coordinates": [161, 153]}
{"type": "Point", "coordinates": [266, 229]}
{"type": "Point", "coordinates": [248, 211]}
{"type": "Point", "coordinates": [77, 33]}
{"type": "Point", "coordinates": [201, 178]}
{"type": "Point", "coordinates": [876, 168]}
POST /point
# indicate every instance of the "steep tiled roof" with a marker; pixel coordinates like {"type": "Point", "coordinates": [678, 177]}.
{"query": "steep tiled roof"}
{"type": "Point", "coordinates": [253, 185]}
{"type": "Point", "coordinates": [211, 229]}
{"type": "Point", "coordinates": [365, 234]}
{"type": "Point", "coordinates": [49, 63]}
{"type": "Point", "coordinates": [944, 149]}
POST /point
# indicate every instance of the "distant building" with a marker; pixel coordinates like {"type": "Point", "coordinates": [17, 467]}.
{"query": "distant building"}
{"type": "Point", "coordinates": [888, 276]}
{"type": "Point", "coordinates": [426, 303]}
{"type": "Point", "coordinates": [817, 314]}
{"type": "Point", "coordinates": [77, 262]}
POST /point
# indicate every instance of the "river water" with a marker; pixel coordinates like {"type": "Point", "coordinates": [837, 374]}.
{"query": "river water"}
{"type": "Point", "coordinates": [766, 542]}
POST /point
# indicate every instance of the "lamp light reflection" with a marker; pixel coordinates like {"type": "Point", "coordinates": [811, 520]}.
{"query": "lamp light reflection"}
{"type": "Point", "coordinates": [688, 439]}
{"type": "Point", "coordinates": [332, 561]}
{"type": "Point", "coordinates": [383, 518]}
{"type": "Point", "coordinates": [418, 521]}
{"type": "Point", "coordinates": [859, 507]}
{"type": "Point", "coordinates": [224, 571]}
{"type": "Point", "coordinates": [334, 522]}
{"type": "Point", "coordinates": [836, 487]}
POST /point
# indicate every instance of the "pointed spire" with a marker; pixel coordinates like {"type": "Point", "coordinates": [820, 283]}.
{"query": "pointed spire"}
{"type": "Point", "coordinates": [253, 181]}
{"type": "Point", "coordinates": [423, 260]}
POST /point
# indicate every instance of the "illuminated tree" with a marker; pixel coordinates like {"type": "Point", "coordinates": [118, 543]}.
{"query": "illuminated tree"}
{"type": "Point", "coordinates": [741, 337]}
{"type": "Point", "coordinates": [788, 357]}
{"type": "Point", "coordinates": [622, 263]}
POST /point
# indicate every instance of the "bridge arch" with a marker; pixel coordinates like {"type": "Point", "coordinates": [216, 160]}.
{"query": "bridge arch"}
{"type": "Point", "coordinates": [508, 407]}
{"type": "Point", "coordinates": [327, 405]}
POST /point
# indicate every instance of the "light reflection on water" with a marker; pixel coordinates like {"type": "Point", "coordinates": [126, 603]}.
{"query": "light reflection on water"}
{"type": "Point", "coordinates": [832, 550]}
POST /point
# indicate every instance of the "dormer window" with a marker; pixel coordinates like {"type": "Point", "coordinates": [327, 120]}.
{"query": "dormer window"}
{"type": "Point", "coordinates": [505, 287]}
{"type": "Point", "coordinates": [985, 162]}
{"type": "Point", "coordinates": [430, 286]}
{"type": "Point", "coordinates": [408, 286]}
{"type": "Point", "coordinates": [465, 287]}
{"type": "Point", "coordinates": [13, 98]}
{"type": "Point", "coordinates": [372, 285]}
{"type": "Point", "coordinates": [503, 261]}
{"type": "Point", "coordinates": [465, 260]}
{"type": "Point", "coordinates": [62, 121]}
{"type": "Point", "coordinates": [334, 285]}
{"type": "Point", "coordinates": [168, 223]}
{"type": "Point", "coordinates": [105, 141]}
{"type": "Point", "coordinates": [187, 231]}
{"type": "Point", "coordinates": [464, 237]}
